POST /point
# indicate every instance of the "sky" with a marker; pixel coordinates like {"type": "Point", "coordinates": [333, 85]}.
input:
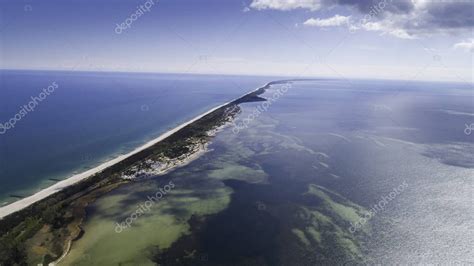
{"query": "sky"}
{"type": "Point", "coordinates": [382, 39]}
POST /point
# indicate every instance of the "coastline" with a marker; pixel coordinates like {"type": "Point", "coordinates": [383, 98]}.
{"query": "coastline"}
{"type": "Point", "coordinates": [28, 201]}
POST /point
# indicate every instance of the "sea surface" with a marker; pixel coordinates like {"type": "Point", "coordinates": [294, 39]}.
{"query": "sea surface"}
{"type": "Point", "coordinates": [330, 172]}
{"type": "Point", "coordinates": [92, 117]}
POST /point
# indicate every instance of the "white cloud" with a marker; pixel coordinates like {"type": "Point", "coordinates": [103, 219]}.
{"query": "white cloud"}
{"type": "Point", "coordinates": [386, 28]}
{"type": "Point", "coordinates": [286, 5]}
{"type": "Point", "coordinates": [407, 19]}
{"type": "Point", "coordinates": [337, 20]}
{"type": "Point", "coordinates": [465, 45]}
{"type": "Point", "coordinates": [373, 26]}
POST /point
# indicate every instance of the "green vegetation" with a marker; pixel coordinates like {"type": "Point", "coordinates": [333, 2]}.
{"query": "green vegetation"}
{"type": "Point", "coordinates": [327, 225]}
{"type": "Point", "coordinates": [301, 236]}
{"type": "Point", "coordinates": [61, 214]}
{"type": "Point", "coordinates": [347, 211]}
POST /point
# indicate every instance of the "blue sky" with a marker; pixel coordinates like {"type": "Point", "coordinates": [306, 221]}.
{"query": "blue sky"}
{"type": "Point", "coordinates": [402, 39]}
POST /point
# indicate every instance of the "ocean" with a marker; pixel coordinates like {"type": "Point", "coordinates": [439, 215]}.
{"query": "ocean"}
{"type": "Point", "coordinates": [91, 117]}
{"type": "Point", "coordinates": [326, 171]}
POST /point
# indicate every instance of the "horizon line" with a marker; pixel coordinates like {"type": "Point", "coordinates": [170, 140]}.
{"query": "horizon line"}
{"type": "Point", "coordinates": [235, 75]}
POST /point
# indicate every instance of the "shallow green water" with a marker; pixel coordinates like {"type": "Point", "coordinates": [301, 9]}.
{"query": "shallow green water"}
{"type": "Point", "coordinates": [230, 182]}
{"type": "Point", "coordinates": [286, 190]}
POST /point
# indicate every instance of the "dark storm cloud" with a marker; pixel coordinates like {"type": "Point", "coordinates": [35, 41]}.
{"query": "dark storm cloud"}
{"type": "Point", "coordinates": [402, 16]}
{"type": "Point", "coordinates": [365, 6]}
{"type": "Point", "coordinates": [451, 15]}
{"type": "Point", "coordinates": [433, 16]}
{"type": "Point", "coordinates": [439, 17]}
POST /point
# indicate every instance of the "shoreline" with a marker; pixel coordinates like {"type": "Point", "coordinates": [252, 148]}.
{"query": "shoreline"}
{"type": "Point", "coordinates": [28, 201]}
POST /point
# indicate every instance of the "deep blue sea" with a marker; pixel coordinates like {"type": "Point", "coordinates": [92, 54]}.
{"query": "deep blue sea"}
{"type": "Point", "coordinates": [92, 117]}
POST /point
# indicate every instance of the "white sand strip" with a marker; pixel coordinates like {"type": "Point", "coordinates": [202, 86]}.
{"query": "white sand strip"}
{"type": "Point", "coordinates": [25, 202]}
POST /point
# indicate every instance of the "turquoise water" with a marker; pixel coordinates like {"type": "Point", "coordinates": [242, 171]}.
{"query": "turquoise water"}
{"type": "Point", "coordinates": [92, 117]}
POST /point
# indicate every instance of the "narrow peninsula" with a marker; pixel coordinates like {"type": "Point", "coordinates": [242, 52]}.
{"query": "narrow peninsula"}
{"type": "Point", "coordinates": [41, 229]}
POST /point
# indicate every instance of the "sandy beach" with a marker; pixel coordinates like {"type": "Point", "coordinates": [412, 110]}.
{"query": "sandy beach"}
{"type": "Point", "coordinates": [25, 202]}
